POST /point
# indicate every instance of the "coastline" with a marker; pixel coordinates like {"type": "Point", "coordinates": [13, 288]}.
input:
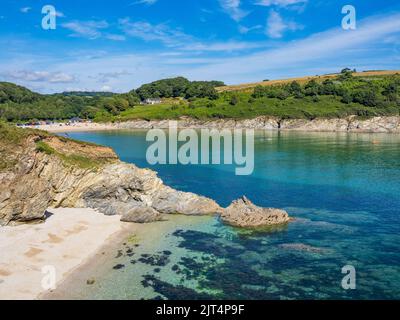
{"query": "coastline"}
{"type": "Point", "coordinates": [66, 240]}
{"type": "Point", "coordinates": [100, 268]}
{"type": "Point", "coordinates": [349, 124]}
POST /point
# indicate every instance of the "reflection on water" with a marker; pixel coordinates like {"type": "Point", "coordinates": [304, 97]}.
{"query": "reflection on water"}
{"type": "Point", "coordinates": [341, 188]}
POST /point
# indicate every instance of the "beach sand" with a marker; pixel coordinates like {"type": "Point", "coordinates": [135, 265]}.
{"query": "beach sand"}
{"type": "Point", "coordinates": [77, 127]}
{"type": "Point", "coordinates": [68, 239]}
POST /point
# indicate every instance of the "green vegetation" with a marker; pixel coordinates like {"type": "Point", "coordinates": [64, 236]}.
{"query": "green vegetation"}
{"type": "Point", "coordinates": [80, 161]}
{"type": "Point", "coordinates": [346, 95]}
{"type": "Point", "coordinates": [42, 146]}
{"type": "Point", "coordinates": [75, 159]}
{"type": "Point", "coordinates": [334, 97]}
{"type": "Point", "coordinates": [13, 142]}
{"type": "Point", "coordinates": [13, 136]}
{"type": "Point", "coordinates": [20, 104]}
{"type": "Point", "coordinates": [179, 87]}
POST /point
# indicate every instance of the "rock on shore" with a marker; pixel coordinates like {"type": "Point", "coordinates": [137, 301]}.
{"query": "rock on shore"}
{"type": "Point", "coordinates": [44, 171]}
{"type": "Point", "coordinates": [69, 174]}
{"type": "Point", "coordinates": [243, 213]}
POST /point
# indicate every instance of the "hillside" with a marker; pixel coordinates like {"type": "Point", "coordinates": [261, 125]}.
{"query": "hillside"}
{"type": "Point", "coordinates": [20, 104]}
{"type": "Point", "coordinates": [337, 96]}
{"type": "Point", "coordinates": [364, 94]}
{"type": "Point", "coordinates": [302, 80]}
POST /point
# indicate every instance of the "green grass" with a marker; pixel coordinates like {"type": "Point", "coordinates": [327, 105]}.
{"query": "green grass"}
{"type": "Point", "coordinates": [80, 161]}
{"type": "Point", "coordinates": [13, 141]}
{"type": "Point", "coordinates": [45, 148]}
{"type": "Point", "coordinates": [69, 160]}
{"type": "Point", "coordinates": [10, 134]}
{"type": "Point", "coordinates": [247, 108]}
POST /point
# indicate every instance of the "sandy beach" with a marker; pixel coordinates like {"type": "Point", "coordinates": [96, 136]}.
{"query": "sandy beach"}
{"type": "Point", "coordinates": [76, 127]}
{"type": "Point", "coordinates": [68, 239]}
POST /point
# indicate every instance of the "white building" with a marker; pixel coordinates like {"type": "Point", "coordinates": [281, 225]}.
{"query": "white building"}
{"type": "Point", "coordinates": [153, 101]}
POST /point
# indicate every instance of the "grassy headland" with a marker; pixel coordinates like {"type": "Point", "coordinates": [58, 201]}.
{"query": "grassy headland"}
{"type": "Point", "coordinates": [15, 141]}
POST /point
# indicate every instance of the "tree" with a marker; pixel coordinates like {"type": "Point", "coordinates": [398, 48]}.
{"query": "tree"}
{"type": "Point", "coordinates": [258, 92]}
{"type": "Point", "coordinates": [366, 97]}
{"type": "Point", "coordinates": [345, 74]}
{"type": "Point", "coordinates": [179, 87]}
{"type": "Point", "coordinates": [296, 89]}
{"type": "Point", "coordinates": [234, 100]}
{"type": "Point", "coordinates": [346, 97]}
{"type": "Point", "coordinates": [312, 88]}
{"type": "Point", "coordinates": [201, 89]}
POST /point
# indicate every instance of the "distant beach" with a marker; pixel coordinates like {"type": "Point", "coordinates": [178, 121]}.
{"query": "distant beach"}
{"type": "Point", "coordinates": [76, 127]}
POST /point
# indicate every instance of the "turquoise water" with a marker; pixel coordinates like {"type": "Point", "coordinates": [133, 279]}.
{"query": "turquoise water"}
{"type": "Point", "coordinates": [343, 190]}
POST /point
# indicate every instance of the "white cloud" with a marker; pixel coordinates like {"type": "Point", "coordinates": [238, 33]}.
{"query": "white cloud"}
{"type": "Point", "coordinates": [60, 14]}
{"type": "Point", "coordinates": [115, 37]}
{"type": "Point", "coordinates": [149, 32]}
{"type": "Point", "coordinates": [86, 29]}
{"type": "Point", "coordinates": [244, 29]}
{"type": "Point", "coordinates": [232, 8]}
{"type": "Point", "coordinates": [280, 3]}
{"type": "Point", "coordinates": [178, 39]}
{"type": "Point", "coordinates": [106, 88]}
{"type": "Point", "coordinates": [104, 77]}
{"type": "Point", "coordinates": [328, 51]}
{"type": "Point", "coordinates": [313, 53]}
{"type": "Point", "coordinates": [25, 9]}
{"type": "Point", "coordinates": [223, 46]}
{"type": "Point", "coordinates": [148, 2]}
{"type": "Point", "coordinates": [40, 76]}
{"type": "Point", "coordinates": [276, 26]}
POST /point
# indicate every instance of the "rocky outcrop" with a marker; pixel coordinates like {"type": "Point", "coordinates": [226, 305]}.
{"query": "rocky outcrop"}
{"type": "Point", "coordinates": [377, 124]}
{"type": "Point", "coordinates": [243, 213]}
{"type": "Point", "coordinates": [54, 172]}
{"type": "Point", "coordinates": [349, 124]}
{"type": "Point", "coordinates": [323, 125]}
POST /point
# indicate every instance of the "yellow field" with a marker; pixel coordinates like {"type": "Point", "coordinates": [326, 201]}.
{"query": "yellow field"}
{"type": "Point", "coordinates": [248, 86]}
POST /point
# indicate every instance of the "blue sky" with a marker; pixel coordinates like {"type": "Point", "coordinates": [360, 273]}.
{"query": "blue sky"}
{"type": "Point", "coordinates": [118, 45]}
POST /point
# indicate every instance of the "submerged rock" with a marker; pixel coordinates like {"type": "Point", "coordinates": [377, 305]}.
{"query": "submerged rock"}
{"type": "Point", "coordinates": [119, 267]}
{"type": "Point", "coordinates": [243, 213]}
{"type": "Point", "coordinates": [302, 247]}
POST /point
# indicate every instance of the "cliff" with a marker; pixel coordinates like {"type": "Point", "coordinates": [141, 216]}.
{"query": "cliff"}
{"type": "Point", "coordinates": [39, 170]}
{"type": "Point", "coordinates": [351, 124]}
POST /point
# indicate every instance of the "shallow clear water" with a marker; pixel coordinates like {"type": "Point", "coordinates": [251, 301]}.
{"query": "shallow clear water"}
{"type": "Point", "coordinates": [343, 190]}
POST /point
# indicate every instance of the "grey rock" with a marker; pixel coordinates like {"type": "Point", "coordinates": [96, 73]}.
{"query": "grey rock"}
{"type": "Point", "coordinates": [40, 181]}
{"type": "Point", "coordinates": [243, 213]}
{"type": "Point", "coordinates": [350, 124]}
{"type": "Point", "coordinates": [142, 214]}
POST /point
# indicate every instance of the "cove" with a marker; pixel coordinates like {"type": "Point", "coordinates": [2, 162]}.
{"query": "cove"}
{"type": "Point", "coordinates": [342, 190]}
